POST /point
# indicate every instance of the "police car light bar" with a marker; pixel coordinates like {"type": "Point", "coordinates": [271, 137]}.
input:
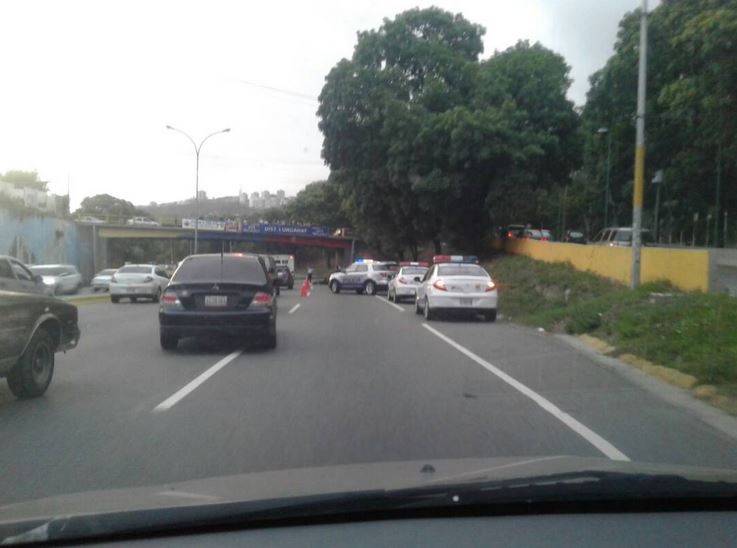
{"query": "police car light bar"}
{"type": "Point", "coordinates": [455, 259]}
{"type": "Point", "coordinates": [413, 263]}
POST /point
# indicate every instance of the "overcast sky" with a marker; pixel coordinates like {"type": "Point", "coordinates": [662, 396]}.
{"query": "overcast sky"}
{"type": "Point", "coordinates": [88, 87]}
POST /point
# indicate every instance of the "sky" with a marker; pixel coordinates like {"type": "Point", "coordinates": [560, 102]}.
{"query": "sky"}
{"type": "Point", "coordinates": [88, 87]}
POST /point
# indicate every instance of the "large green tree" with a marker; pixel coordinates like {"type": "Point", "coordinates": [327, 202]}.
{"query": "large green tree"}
{"type": "Point", "coordinates": [427, 143]}
{"type": "Point", "coordinates": [108, 208]}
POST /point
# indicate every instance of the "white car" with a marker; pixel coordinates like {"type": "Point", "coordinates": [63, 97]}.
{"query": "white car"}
{"type": "Point", "coordinates": [144, 221]}
{"type": "Point", "coordinates": [456, 283]}
{"type": "Point", "coordinates": [59, 278]}
{"type": "Point", "coordinates": [363, 276]}
{"type": "Point", "coordinates": [101, 281]}
{"type": "Point", "coordinates": [134, 281]}
{"type": "Point", "coordinates": [404, 284]}
{"type": "Point", "coordinates": [88, 219]}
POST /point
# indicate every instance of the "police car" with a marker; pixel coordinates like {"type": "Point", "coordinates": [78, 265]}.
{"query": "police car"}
{"type": "Point", "coordinates": [363, 276]}
{"type": "Point", "coordinates": [404, 284]}
{"type": "Point", "coordinates": [456, 283]}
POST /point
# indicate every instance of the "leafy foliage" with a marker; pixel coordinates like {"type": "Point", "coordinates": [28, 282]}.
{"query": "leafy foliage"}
{"type": "Point", "coordinates": [108, 207]}
{"type": "Point", "coordinates": [425, 142]}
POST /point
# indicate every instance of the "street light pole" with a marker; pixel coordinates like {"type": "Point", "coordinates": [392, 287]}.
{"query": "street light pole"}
{"type": "Point", "coordinates": [637, 193]}
{"type": "Point", "coordinates": [197, 149]}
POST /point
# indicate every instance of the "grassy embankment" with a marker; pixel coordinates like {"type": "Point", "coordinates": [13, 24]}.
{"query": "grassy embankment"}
{"type": "Point", "coordinates": [694, 333]}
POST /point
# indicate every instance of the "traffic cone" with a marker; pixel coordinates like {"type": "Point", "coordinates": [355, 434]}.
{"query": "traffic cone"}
{"type": "Point", "coordinates": [305, 288]}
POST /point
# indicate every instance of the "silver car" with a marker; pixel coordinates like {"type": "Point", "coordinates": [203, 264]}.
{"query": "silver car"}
{"type": "Point", "coordinates": [404, 284]}
{"type": "Point", "coordinates": [59, 278]}
{"type": "Point", "coordinates": [101, 281]}
{"type": "Point", "coordinates": [134, 281]}
{"type": "Point", "coordinates": [456, 283]}
{"type": "Point", "coordinates": [17, 277]}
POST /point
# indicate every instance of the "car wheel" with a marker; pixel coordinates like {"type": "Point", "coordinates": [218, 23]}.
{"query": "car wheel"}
{"type": "Point", "coordinates": [32, 374]}
{"type": "Point", "coordinates": [157, 296]}
{"type": "Point", "coordinates": [335, 287]}
{"type": "Point", "coordinates": [290, 286]}
{"type": "Point", "coordinates": [169, 341]}
{"type": "Point", "coordinates": [370, 288]}
{"type": "Point", "coordinates": [429, 314]}
{"type": "Point", "coordinates": [490, 315]}
{"type": "Point", "coordinates": [134, 299]}
{"type": "Point", "coordinates": [418, 310]}
{"type": "Point", "coordinates": [114, 299]}
{"type": "Point", "coordinates": [270, 339]}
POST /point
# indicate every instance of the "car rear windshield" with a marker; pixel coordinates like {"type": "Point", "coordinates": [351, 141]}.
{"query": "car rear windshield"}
{"type": "Point", "coordinates": [135, 270]}
{"type": "Point", "coordinates": [226, 269]}
{"type": "Point", "coordinates": [461, 270]}
{"type": "Point", "coordinates": [51, 270]}
{"type": "Point", "coordinates": [414, 271]}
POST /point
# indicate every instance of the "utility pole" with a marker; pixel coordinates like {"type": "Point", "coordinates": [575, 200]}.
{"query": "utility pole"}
{"type": "Point", "coordinates": [637, 193]}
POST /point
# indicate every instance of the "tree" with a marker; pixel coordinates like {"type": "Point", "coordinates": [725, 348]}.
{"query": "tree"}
{"type": "Point", "coordinates": [319, 203]}
{"type": "Point", "coordinates": [426, 143]}
{"type": "Point", "coordinates": [108, 208]}
{"type": "Point", "coordinates": [24, 178]}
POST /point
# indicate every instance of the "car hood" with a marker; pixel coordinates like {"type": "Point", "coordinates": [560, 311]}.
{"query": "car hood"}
{"type": "Point", "coordinates": [283, 485]}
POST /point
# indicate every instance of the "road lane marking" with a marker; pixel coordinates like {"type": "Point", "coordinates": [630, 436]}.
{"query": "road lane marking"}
{"type": "Point", "coordinates": [294, 309]}
{"type": "Point", "coordinates": [180, 394]}
{"type": "Point", "coordinates": [589, 435]}
{"type": "Point", "coordinates": [387, 301]}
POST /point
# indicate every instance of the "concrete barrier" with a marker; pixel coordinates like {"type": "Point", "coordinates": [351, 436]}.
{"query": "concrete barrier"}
{"type": "Point", "coordinates": [687, 269]}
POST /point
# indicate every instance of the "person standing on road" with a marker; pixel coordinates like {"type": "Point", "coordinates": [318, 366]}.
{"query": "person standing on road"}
{"type": "Point", "coordinates": [309, 274]}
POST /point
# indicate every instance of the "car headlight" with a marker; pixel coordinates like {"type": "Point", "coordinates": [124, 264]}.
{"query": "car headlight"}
{"type": "Point", "coordinates": [48, 280]}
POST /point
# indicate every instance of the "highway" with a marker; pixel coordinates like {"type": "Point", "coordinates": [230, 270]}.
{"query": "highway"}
{"type": "Point", "coordinates": [354, 379]}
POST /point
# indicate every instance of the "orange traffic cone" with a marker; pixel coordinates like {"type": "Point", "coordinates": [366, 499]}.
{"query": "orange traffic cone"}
{"type": "Point", "coordinates": [305, 288]}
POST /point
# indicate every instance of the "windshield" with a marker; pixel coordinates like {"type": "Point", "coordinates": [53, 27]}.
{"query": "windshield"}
{"type": "Point", "coordinates": [134, 270]}
{"type": "Point", "coordinates": [264, 175]}
{"type": "Point", "coordinates": [225, 269]}
{"type": "Point", "coordinates": [51, 270]}
{"type": "Point", "coordinates": [461, 270]}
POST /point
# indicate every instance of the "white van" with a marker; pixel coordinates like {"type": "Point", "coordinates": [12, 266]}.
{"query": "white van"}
{"type": "Point", "coordinates": [285, 260]}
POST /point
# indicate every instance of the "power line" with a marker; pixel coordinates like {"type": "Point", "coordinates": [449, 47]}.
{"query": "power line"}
{"type": "Point", "coordinates": [280, 90]}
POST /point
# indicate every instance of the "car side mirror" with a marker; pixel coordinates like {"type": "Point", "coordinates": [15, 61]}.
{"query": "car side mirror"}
{"type": "Point", "coordinates": [418, 279]}
{"type": "Point", "coordinates": [38, 279]}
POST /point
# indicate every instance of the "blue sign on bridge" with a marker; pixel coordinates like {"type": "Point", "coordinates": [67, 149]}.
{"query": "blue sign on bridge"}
{"type": "Point", "coordinates": [292, 230]}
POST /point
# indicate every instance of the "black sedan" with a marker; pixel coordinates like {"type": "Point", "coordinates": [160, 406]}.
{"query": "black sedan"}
{"type": "Point", "coordinates": [32, 329]}
{"type": "Point", "coordinates": [228, 294]}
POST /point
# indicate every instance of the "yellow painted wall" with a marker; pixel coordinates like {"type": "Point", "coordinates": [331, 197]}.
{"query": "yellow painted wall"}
{"type": "Point", "coordinates": [685, 268]}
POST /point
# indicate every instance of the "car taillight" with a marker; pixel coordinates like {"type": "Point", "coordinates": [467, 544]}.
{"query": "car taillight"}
{"type": "Point", "coordinates": [402, 280]}
{"type": "Point", "coordinates": [148, 279]}
{"type": "Point", "coordinates": [261, 299]}
{"type": "Point", "coordinates": [169, 300]}
{"type": "Point", "coordinates": [491, 286]}
{"type": "Point", "coordinates": [439, 284]}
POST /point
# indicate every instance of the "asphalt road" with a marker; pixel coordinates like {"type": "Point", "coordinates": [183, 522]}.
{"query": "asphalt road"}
{"type": "Point", "coordinates": [354, 379]}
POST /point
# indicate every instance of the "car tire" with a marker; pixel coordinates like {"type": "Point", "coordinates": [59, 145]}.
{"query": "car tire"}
{"type": "Point", "coordinates": [156, 296]}
{"type": "Point", "coordinates": [290, 286]}
{"type": "Point", "coordinates": [490, 315]}
{"type": "Point", "coordinates": [114, 299]}
{"type": "Point", "coordinates": [335, 286]}
{"type": "Point", "coordinates": [169, 341]}
{"type": "Point", "coordinates": [429, 314]}
{"type": "Point", "coordinates": [270, 339]}
{"type": "Point", "coordinates": [370, 288]}
{"type": "Point", "coordinates": [32, 374]}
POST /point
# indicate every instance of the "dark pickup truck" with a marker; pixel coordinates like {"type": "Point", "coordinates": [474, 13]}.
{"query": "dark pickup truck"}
{"type": "Point", "coordinates": [32, 329]}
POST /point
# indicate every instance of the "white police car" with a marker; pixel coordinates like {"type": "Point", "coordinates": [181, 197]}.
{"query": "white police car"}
{"type": "Point", "coordinates": [404, 284]}
{"type": "Point", "coordinates": [456, 283]}
{"type": "Point", "coordinates": [363, 276]}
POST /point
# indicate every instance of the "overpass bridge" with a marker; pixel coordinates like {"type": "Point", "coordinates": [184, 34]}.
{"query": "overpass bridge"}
{"type": "Point", "coordinates": [98, 235]}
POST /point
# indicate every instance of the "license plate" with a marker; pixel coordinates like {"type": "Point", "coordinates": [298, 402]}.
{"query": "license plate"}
{"type": "Point", "coordinates": [466, 302]}
{"type": "Point", "coordinates": [216, 300]}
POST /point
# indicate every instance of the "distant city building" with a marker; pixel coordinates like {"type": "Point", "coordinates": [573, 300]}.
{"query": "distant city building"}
{"type": "Point", "coordinates": [265, 199]}
{"type": "Point", "coordinates": [202, 195]}
{"type": "Point", "coordinates": [243, 199]}
{"type": "Point", "coordinates": [281, 194]}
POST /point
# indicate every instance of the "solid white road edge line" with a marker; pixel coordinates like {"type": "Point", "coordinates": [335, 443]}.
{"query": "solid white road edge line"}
{"type": "Point", "coordinates": [589, 435]}
{"type": "Point", "coordinates": [294, 308]}
{"type": "Point", "coordinates": [180, 394]}
{"type": "Point", "coordinates": [387, 301]}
